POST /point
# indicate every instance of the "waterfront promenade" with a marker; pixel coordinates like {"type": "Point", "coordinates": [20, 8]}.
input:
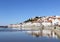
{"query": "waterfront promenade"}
{"type": "Point", "coordinates": [57, 32]}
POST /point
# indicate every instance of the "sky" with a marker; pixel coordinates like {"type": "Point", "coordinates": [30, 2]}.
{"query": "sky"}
{"type": "Point", "coordinates": [17, 11]}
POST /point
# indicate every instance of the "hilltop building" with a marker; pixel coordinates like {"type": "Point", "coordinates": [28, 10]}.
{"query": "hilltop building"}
{"type": "Point", "coordinates": [37, 21]}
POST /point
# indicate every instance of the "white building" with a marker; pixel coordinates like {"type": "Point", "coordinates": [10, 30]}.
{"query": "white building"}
{"type": "Point", "coordinates": [46, 23]}
{"type": "Point", "coordinates": [14, 25]}
{"type": "Point", "coordinates": [55, 22]}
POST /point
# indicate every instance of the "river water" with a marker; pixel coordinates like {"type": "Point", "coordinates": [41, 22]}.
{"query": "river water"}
{"type": "Point", "coordinates": [16, 35]}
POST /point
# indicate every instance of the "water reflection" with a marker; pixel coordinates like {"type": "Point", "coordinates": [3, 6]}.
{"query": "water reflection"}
{"type": "Point", "coordinates": [38, 33]}
{"type": "Point", "coordinates": [11, 35]}
{"type": "Point", "coordinates": [43, 33]}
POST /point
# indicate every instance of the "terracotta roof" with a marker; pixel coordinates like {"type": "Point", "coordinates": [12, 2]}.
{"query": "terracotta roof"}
{"type": "Point", "coordinates": [58, 18]}
{"type": "Point", "coordinates": [49, 20]}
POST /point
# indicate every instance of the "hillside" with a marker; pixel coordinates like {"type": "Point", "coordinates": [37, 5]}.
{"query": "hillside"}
{"type": "Point", "coordinates": [38, 21]}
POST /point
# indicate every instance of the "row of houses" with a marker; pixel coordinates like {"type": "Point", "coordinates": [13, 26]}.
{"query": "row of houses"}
{"type": "Point", "coordinates": [14, 26]}
{"type": "Point", "coordinates": [46, 21]}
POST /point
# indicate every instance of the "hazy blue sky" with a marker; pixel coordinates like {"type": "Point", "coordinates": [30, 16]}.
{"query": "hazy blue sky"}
{"type": "Point", "coordinates": [16, 11]}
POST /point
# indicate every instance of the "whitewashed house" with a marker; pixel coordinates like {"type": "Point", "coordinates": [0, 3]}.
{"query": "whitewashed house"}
{"type": "Point", "coordinates": [35, 24]}
{"type": "Point", "coordinates": [27, 24]}
{"type": "Point", "coordinates": [14, 25]}
{"type": "Point", "coordinates": [55, 21]}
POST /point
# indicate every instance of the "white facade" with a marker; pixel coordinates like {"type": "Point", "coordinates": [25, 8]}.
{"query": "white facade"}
{"type": "Point", "coordinates": [31, 24]}
{"type": "Point", "coordinates": [56, 21]}
{"type": "Point", "coordinates": [46, 24]}
{"type": "Point", "coordinates": [36, 24]}
{"type": "Point", "coordinates": [14, 25]}
{"type": "Point", "coordinates": [26, 24]}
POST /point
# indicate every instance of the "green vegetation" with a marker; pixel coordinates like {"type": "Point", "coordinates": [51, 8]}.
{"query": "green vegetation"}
{"type": "Point", "coordinates": [32, 19]}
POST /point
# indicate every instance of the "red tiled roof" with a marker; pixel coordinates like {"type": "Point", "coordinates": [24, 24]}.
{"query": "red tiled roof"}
{"type": "Point", "coordinates": [49, 20]}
